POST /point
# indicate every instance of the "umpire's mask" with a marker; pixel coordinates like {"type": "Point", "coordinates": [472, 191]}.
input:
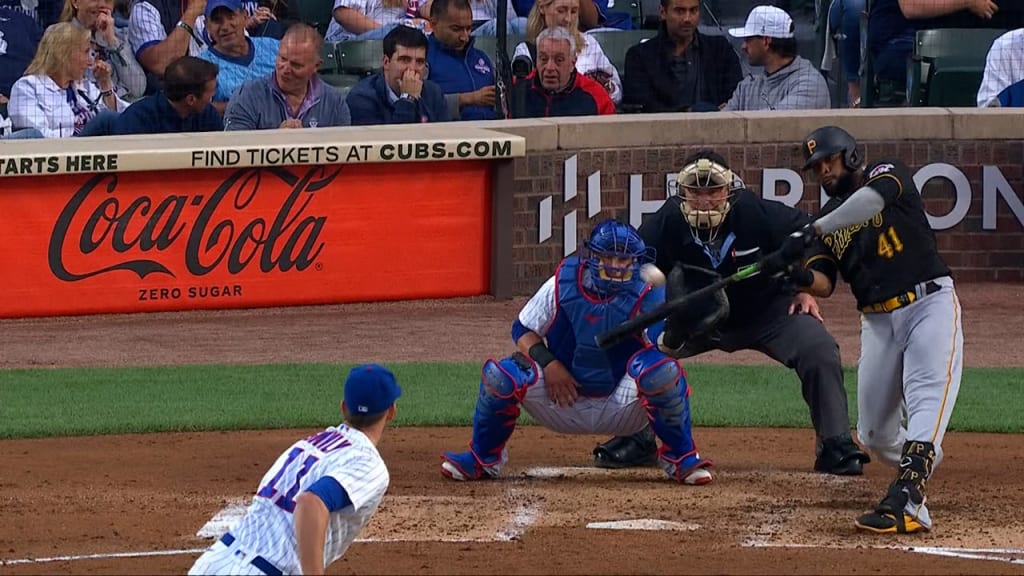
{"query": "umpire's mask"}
{"type": "Point", "coordinates": [706, 185]}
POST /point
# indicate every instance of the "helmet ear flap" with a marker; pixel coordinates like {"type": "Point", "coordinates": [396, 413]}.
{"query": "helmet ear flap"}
{"type": "Point", "coordinates": [852, 159]}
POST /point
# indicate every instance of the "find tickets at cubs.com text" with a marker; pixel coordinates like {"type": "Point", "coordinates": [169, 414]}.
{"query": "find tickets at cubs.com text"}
{"type": "Point", "coordinates": [259, 156]}
{"type": "Point", "coordinates": [244, 237]}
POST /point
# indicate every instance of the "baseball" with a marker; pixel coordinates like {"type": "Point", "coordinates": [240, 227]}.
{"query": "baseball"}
{"type": "Point", "coordinates": [652, 275]}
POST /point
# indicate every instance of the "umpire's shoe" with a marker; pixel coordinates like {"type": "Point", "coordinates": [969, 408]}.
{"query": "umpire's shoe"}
{"type": "Point", "coordinates": [840, 456]}
{"type": "Point", "coordinates": [640, 449]}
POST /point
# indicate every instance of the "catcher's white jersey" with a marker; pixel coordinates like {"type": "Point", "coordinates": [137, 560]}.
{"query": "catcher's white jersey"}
{"type": "Point", "coordinates": [267, 531]}
{"type": "Point", "coordinates": [622, 412]}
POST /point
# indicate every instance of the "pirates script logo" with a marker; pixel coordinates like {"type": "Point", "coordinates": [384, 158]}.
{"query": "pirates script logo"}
{"type": "Point", "coordinates": [840, 240]}
{"type": "Point", "coordinates": [135, 232]}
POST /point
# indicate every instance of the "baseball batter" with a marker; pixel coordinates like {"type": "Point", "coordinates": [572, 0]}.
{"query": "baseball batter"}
{"type": "Point", "coordinates": [570, 385]}
{"type": "Point", "coordinates": [319, 494]}
{"type": "Point", "coordinates": [875, 232]}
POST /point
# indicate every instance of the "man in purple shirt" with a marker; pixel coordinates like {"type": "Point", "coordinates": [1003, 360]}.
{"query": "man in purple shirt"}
{"type": "Point", "coordinates": [293, 96]}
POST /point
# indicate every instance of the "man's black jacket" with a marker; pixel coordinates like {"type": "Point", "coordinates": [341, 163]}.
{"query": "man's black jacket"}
{"type": "Point", "coordinates": [650, 86]}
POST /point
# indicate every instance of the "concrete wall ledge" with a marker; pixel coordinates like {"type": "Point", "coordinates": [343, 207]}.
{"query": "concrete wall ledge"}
{"type": "Point", "coordinates": [781, 127]}
{"type": "Point", "coordinates": [988, 124]}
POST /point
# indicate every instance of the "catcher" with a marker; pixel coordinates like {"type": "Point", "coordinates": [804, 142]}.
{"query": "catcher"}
{"type": "Point", "coordinates": [709, 231]}
{"type": "Point", "coordinates": [568, 384]}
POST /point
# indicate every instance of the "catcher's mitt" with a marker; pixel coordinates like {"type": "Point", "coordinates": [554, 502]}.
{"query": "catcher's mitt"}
{"type": "Point", "coordinates": [697, 319]}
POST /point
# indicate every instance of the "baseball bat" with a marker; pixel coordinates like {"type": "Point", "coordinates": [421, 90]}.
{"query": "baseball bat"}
{"type": "Point", "coordinates": [637, 323]}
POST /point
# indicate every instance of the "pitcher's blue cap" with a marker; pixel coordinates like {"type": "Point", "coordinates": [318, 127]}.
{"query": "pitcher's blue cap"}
{"type": "Point", "coordinates": [370, 389]}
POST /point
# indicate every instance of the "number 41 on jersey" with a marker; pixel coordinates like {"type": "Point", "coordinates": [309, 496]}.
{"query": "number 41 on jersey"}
{"type": "Point", "coordinates": [889, 243]}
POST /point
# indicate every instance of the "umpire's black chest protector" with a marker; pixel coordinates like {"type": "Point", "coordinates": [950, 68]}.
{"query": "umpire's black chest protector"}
{"type": "Point", "coordinates": [752, 229]}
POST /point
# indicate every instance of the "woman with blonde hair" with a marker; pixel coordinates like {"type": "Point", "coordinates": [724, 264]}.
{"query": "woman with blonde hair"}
{"type": "Point", "coordinates": [97, 17]}
{"type": "Point", "coordinates": [54, 95]}
{"type": "Point", "coordinates": [591, 60]}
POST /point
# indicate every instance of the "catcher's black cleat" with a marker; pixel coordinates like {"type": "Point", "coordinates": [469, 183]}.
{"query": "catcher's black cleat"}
{"type": "Point", "coordinates": [640, 449]}
{"type": "Point", "coordinates": [840, 456]}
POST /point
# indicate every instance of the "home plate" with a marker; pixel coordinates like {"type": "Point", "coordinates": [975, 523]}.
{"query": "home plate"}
{"type": "Point", "coordinates": [644, 524]}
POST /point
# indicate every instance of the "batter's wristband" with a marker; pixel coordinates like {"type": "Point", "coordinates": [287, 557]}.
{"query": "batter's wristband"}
{"type": "Point", "coordinates": [541, 355]}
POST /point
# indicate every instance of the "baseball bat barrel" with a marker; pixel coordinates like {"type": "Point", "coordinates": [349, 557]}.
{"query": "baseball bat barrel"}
{"type": "Point", "coordinates": [640, 322]}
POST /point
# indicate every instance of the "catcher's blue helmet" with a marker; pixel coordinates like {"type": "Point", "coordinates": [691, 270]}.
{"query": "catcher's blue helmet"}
{"type": "Point", "coordinates": [614, 239]}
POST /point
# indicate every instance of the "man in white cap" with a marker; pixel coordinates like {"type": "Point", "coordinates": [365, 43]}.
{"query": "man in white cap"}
{"type": "Point", "coordinates": [789, 82]}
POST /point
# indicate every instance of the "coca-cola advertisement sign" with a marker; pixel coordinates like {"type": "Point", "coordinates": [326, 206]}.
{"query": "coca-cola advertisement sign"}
{"type": "Point", "coordinates": [226, 228]}
{"type": "Point", "coordinates": [128, 242]}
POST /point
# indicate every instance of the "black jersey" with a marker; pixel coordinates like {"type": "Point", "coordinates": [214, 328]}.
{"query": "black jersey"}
{"type": "Point", "coordinates": [753, 228]}
{"type": "Point", "coordinates": [890, 253]}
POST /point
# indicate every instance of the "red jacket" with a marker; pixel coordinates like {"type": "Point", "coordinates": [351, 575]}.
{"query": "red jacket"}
{"type": "Point", "coordinates": [584, 97]}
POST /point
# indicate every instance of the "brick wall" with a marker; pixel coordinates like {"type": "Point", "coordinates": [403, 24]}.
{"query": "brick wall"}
{"type": "Point", "coordinates": [974, 254]}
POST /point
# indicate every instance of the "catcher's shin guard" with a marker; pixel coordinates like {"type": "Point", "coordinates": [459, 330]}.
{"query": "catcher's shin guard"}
{"type": "Point", "coordinates": [663, 386]}
{"type": "Point", "coordinates": [903, 510]}
{"type": "Point", "coordinates": [502, 386]}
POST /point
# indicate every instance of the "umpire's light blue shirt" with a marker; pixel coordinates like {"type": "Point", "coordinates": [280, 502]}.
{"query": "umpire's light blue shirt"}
{"type": "Point", "coordinates": [236, 71]}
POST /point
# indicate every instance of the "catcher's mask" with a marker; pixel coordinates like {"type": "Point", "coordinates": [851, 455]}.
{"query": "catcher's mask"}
{"type": "Point", "coordinates": [706, 185]}
{"type": "Point", "coordinates": [614, 254]}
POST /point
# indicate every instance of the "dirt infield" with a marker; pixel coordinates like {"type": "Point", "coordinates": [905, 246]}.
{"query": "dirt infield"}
{"type": "Point", "coordinates": [114, 496]}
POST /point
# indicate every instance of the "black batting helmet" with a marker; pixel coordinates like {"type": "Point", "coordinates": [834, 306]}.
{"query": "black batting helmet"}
{"type": "Point", "coordinates": [829, 140]}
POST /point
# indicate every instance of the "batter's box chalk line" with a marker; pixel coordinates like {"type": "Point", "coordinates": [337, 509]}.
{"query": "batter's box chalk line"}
{"type": "Point", "coordinates": [1008, 555]}
{"type": "Point", "coordinates": [645, 524]}
{"type": "Point", "coordinates": [523, 512]}
{"type": "Point", "coordinates": [552, 472]}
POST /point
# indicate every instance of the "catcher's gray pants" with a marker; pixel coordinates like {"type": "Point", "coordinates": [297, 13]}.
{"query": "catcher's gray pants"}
{"type": "Point", "coordinates": [801, 343]}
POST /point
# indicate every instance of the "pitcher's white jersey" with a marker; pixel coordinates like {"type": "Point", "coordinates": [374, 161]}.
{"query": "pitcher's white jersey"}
{"type": "Point", "coordinates": [345, 454]}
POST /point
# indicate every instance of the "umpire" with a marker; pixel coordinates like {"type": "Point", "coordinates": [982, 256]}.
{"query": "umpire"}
{"type": "Point", "coordinates": [711, 230]}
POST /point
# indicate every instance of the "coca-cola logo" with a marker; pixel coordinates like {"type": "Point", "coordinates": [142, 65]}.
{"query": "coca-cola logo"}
{"type": "Point", "coordinates": [219, 230]}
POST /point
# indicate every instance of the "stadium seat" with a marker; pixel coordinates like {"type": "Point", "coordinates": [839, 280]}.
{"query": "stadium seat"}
{"type": "Point", "coordinates": [616, 44]}
{"type": "Point", "coordinates": [360, 57]}
{"type": "Point", "coordinates": [316, 13]}
{"type": "Point", "coordinates": [950, 61]}
{"type": "Point", "coordinates": [329, 55]}
{"type": "Point", "coordinates": [342, 82]}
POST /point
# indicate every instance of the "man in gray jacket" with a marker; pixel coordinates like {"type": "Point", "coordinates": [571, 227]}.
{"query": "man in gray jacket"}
{"type": "Point", "coordinates": [789, 82]}
{"type": "Point", "coordinates": [293, 96]}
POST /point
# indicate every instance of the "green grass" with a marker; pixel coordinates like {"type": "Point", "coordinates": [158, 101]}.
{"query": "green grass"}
{"type": "Point", "coordinates": [70, 402]}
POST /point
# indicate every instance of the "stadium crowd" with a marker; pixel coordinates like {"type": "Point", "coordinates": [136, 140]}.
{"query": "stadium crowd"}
{"type": "Point", "coordinates": [97, 67]}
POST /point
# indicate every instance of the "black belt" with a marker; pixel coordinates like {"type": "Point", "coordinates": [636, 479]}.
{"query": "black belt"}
{"type": "Point", "coordinates": [259, 562]}
{"type": "Point", "coordinates": [902, 300]}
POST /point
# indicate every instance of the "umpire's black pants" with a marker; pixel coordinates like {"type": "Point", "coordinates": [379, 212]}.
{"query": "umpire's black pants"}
{"type": "Point", "coordinates": [799, 342]}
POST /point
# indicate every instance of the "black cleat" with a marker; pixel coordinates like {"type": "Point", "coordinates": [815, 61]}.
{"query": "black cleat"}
{"type": "Point", "coordinates": [640, 449]}
{"type": "Point", "coordinates": [841, 456]}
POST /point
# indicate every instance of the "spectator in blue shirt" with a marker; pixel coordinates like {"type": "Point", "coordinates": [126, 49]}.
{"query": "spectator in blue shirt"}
{"type": "Point", "coordinates": [464, 73]}
{"type": "Point", "coordinates": [239, 57]}
{"type": "Point", "coordinates": [182, 106]}
{"type": "Point", "coordinates": [19, 37]}
{"type": "Point", "coordinates": [399, 94]}
{"type": "Point", "coordinates": [293, 96]}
